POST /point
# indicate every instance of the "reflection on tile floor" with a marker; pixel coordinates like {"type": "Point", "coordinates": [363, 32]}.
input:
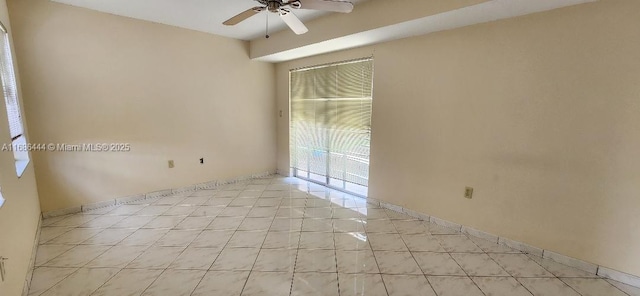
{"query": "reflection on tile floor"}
{"type": "Point", "coordinates": [283, 236]}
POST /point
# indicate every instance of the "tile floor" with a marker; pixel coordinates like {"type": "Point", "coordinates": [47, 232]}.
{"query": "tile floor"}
{"type": "Point", "coordinates": [284, 236]}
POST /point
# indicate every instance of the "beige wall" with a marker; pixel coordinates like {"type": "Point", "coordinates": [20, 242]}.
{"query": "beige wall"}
{"type": "Point", "coordinates": [540, 114]}
{"type": "Point", "coordinates": [171, 93]}
{"type": "Point", "coordinates": [20, 214]}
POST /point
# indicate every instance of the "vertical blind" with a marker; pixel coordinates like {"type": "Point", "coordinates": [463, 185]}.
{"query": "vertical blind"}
{"type": "Point", "coordinates": [331, 120]}
{"type": "Point", "coordinates": [9, 87]}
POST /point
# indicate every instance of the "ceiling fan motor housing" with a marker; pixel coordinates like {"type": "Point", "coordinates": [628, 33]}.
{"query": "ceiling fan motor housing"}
{"type": "Point", "coordinates": [275, 5]}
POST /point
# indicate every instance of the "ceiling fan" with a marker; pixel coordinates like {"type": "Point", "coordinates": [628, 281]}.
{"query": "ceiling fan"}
{"type": "Point", "coordinates": [283, 8]}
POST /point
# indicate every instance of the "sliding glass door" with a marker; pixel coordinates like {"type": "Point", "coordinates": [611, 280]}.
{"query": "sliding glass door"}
{"type": "Point", "coordinates": [331, 124]}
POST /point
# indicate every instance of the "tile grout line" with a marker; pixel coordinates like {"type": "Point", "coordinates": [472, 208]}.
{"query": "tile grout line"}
{"type": "Point", "coordinates": [295, 264]}
{"type": "Point", "coordinates": [195, 288]}
{"type": "Point", "coordinates": [147, 247]}
{"type": "Point", "coordinates": [259, 249]}
{"type": "Point", "coordinates": [378, 265]}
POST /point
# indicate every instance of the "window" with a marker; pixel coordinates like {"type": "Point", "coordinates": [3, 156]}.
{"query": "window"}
{"type": "Point", "coordinates": [331, 124]}
{"type": "Point", "coordinates": [10, 90]}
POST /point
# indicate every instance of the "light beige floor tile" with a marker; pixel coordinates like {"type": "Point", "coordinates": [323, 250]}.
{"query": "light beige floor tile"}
{"type": "Point", "coordinates": [156, 257]}
{"type": "Point", "coordinates": [391, 262]}
{"type": "Point", "coordinates": [561, 270]}
{"type": "Point", "coordinates": [407, 285]}
{"type": "Point", "coordinates": [361, 285]}
{"type": "Point", "coordinates": [268, 283]}
{"type": "Point", "coordinates": [262, 211]}
{"type": "Point", "coordinates": [180, 210]}
{"type": "Point", "coordinates": [117, 256]}
{"type": "Point", "coordinates": [196, 258]}
{"type": "Point", "coordinates": [593, 287]}
{"type": "Point", "coordinates": [144, 237]}
{"type": "Point", "coordinates": [77, 256]}
{"type": "Point", "coordinates": [630, 290]}
{"type": "Point", "coordinates": [547, 287]}
{"type": "Point", "coordinates": [362, 261]}
{"type": "Point", "coordinates": [153, 210]}
{"type": "Point", "coordinates": [75, 220]}
{"type": "Point", "coordinates": [454, 286]}
{"type": "Point", "coordinates": [194, 223]}
{"type": "Point", "coordinates": [438, 264]}
{"type": "Point", "coordinates": [82, 282]}
{"type": "Point", "coordinates": [276, 260]}
{"type": "Point", "coordinates": [47, 277]}
{"type": "Point", "coordinates": [458, 244]}
{"type": "Point", "coordinates": [221, 283]}
{"type": "Point", "coordinates": [351, 241]}
{"type": "Point", "coordinates": [478, 264]}
{"type": "Point", "coordinates": [133, 222]}
{"type": "Point", "coordinates": [225, 223]}
{"type": "Point", "coordinates": [48, 252]}
{"type": "Point", "coordinates": [409, 226]}
{"type": "Point", "coordinates": [281, 240]}
{"type": "Point", "coordinates": [386, 242]}
{"type": "Point", "coordinates": [317, 225]}
{"type": "Point", "coordinates": [206, 211]}
{"type": "Point", "coordinates": [75, 236]}
{"type": "Point", "coordinates": [519, 265]}
{"type": "Point", "coordinates": [178, 238]}
{"type": "Point", "coordinates": [164, 222]}
{"type": "Point", "coordinates": [109, 237]}
{"type": "Point", "coordinates": [128, 282]}
{"type": "Point", "coordinates": [348, 225]}
{"type": "Point", "coordinates": [422, 242]}
{"type": "Point", "coordinates": [49, 233]}
{"type": "Point", "coordinates": [236, 259]}
{"type": "Point", "coordinates": [316, 240]}
{"type": "Point", "coordinates": [492, 247]}
{"type": "Point", "coordinates": [175, 283]}
{"type": "Point", "coordinates": [316, 261]}
{"type": "Point", "coordinates": [254, 224]}
{"type": "Point", "coordinates": [314, 284]}
{"type": "Point", "coordinates": [247, 239]}
{"type": "Point", "coordinates": [380, 226]}
{"type": "Point", "coordinates": [212, 239]}
{"type": "Point", "coordinates": [105, 221]}
{"type": "Point", "coordinates": [234, 212]}
{"type": "Point", "coordinates": [497, 286]}
{"type": "Point", "coordinates": [325, 213]}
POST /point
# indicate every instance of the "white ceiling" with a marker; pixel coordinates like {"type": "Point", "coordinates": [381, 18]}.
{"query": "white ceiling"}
{"type": "Point", "coordinates": [466, 16]}
{"type": "Point", "coordinates": [200, 15]}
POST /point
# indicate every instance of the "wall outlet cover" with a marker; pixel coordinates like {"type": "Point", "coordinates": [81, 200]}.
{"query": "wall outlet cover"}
{"type": "Point", "coordinates": [468, 192]}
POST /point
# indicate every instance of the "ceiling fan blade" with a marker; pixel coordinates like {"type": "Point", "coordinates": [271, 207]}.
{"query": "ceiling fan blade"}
{"type": "Point", "coordinates": [293, 22]}
{"type": "Point", "coordinates": [327, 5]}
{"type": "Point", "coordinates": [243, 16]}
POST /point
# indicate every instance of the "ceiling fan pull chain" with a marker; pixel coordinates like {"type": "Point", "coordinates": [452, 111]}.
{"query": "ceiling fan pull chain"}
{"type": "Point", "coordinates": [267, 30]}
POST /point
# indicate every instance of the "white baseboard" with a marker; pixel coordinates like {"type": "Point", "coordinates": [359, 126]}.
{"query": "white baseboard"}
{"type": "Point", "coordinates": [520, 246]}
{"type": "Point", "coordinates": [152, 195]}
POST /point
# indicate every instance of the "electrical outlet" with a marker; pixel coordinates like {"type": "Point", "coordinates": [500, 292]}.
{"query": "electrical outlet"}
{"type": "Point", "coordinates": [171, 165]}
{"type": "Point", "coordinates": [468, 192]}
